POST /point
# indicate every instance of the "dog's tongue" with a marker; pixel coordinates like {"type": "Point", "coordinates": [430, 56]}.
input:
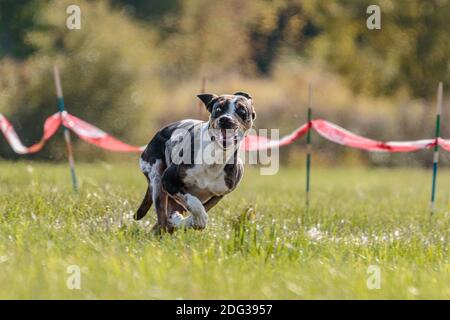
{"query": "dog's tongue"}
{"type": "Point", "coordinates": [228, 135]}
{"type": "Point", "coordinates": [224, 137]}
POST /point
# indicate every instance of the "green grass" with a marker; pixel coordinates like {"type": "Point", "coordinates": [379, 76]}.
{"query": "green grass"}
{"type": "Point", "coordinates": [260, 243]}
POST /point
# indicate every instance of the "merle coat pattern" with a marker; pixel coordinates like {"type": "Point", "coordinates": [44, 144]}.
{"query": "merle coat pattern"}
{"type": "Point", "coordinates": [181, 178]}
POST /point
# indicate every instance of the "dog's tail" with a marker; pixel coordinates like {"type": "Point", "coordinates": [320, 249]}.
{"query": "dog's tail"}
{"type": "Point", "coordinates": [145, 205]}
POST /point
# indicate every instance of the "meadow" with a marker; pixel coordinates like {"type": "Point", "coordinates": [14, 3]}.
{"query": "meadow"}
{"type": "Point", "coordinates": [261, 242]}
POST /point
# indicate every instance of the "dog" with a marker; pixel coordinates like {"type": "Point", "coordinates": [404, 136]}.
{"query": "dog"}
{"type": "Point", "coordinates": [191, 165]}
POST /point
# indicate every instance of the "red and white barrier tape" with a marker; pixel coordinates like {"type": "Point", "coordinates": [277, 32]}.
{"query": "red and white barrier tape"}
{"type": "Point", "coordinates": [51, 125]}
{"type": "Point", "coordinates": [82, 129]}
{"type": "Point", "coordinates": [95, 136]}
{"type": "Point", "coordinates": [339, 135]}
{"type": "Point", "coordinates": [101, 139]}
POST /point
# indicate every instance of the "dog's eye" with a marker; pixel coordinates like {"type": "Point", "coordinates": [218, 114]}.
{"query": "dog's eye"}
{"type": "Point", "coordinates": [242, 112]}
{"type": "Point", "coordinates": [218, 109]}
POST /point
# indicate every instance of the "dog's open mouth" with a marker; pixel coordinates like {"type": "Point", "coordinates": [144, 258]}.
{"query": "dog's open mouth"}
{"type": "Point", "coordinates": [226, 137]}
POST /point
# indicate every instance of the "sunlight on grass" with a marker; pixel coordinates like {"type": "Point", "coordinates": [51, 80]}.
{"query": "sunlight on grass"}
{"type": "Point", "coordinates": [261, 242]}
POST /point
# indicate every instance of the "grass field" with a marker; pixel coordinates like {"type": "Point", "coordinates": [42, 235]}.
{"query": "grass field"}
{"type": "Point", "coordinates": [260, 243]}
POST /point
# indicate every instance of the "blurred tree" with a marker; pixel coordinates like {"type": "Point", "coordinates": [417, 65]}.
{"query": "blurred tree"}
{"type": "Point", "coordinates": [17, 18]}
{"type": "Point", "coordinates": [410, 53]}
{"type": "Point", "coordinates": [133, 58]}
{"type": "Point", "coordinates": [108, 71]}
{"type": "Point", "coordinates": [154, 11]}
{"type": "Point", "coordinates": [209, 38]}
{"type": "Point", "coordinates": [279, 24]}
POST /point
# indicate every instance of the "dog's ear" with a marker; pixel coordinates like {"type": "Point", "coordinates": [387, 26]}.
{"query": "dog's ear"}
{"type": "Point", "coordinates": [207, 98]}
{"type": "Point", "coordinates": [244, 95]}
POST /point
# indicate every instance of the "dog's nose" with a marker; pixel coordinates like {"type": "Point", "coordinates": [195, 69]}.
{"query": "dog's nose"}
{"type": "Point", "coordinates": [226, 122]}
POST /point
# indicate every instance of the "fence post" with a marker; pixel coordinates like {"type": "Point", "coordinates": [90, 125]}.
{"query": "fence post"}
{"type": "Point", "coordinates": [308, 146]}
{"type": "Point", "coordinates": [61, 107]}
{"type": "Point", "coordinates": [436, 148]}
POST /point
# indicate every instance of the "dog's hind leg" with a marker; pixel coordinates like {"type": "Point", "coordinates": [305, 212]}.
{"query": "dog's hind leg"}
{"type": "Point", "coordinates": [145, 205]}
{"type": "Point", "coordinates": [174, 212]}
{"type": "Point", "coordinates": [162, 223]}
{"type": "Point", "coordinates": [159, 196]}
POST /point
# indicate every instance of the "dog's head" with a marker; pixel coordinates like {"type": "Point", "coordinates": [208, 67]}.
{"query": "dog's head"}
{"type": "Point", "coordinates": [231, 116]}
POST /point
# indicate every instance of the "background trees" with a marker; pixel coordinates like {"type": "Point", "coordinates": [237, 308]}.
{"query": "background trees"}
{"type": "Point", "coordinates": [137, 64]}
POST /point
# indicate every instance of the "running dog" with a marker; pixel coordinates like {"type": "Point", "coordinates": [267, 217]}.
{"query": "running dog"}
{"type": "Point", "coordinates": [191, 165]}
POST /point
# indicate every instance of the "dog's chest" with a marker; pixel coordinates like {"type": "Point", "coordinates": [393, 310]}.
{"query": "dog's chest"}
{"type": "Point", "coordinates": [206, 180]}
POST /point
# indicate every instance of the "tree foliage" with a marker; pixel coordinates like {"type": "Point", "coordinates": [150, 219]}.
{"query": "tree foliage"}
{"type": "Point", "coordinates": [139, 62]}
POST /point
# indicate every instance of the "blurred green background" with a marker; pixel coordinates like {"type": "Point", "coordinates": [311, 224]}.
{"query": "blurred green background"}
{"type": "Point", "coordinates": [136, 65]}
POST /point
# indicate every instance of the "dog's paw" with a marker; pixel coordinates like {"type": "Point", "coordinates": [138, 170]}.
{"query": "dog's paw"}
{"type": "Point", "coordinates": [200, 221]}
{"type": "Point", "coordinates": [176, 219]}
{"type": "Point", "coordinates": [179, 222]}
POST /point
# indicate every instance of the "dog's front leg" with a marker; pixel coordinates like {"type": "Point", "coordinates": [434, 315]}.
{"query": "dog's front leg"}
{"type": "Point", "coordinates": [178, 221]}
{"type": "Point", "coordinates": [174, 186]}
{"type": "Point", "coordinates": [198, 218]}
{"type": "Point", "coordinates": [212, 202]}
